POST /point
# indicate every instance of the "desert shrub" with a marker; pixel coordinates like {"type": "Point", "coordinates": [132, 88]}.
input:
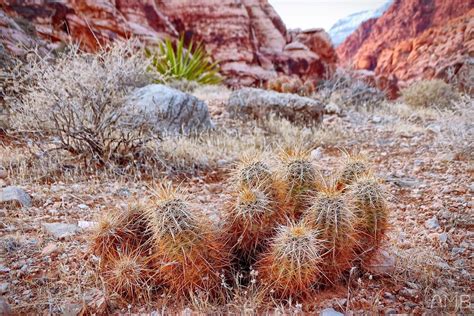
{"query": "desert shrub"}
{"type": "Point", "coordinates": [345, 90]}
{"type": "Point", "coordinates": [78, 98]}
{"type": "Point", "coordinates": [175, 62]}
{"type": "Point", "coordinates": [426, 93]}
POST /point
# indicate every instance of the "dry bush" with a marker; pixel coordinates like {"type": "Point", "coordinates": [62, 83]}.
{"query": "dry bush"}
{"type": "Point", "coordinates": [79, 99]}
{"type": "Point", "coordinates": [430, 93]}
{"type": "Point", "coordinates": [347, 91]}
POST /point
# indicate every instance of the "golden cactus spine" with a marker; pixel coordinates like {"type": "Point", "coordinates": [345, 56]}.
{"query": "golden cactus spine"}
{"type": "Point", "coordinates": [291, 265]}
{"type": "Point", "coordinates": [369, 198]}
{"type": "Point", "coordinates": [187, 250]}
{"type": "Point", "coordinates": [331, 214]}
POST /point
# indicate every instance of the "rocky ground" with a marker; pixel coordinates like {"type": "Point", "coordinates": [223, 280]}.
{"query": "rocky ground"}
{"type": "Point", "coordinates": [425, 157]}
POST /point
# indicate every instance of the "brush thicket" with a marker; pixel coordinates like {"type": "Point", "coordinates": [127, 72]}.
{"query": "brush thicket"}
{"type": "Point", "coordinates": [186, 250]}
{"type": "Point", "coordinates": [369, 199]}
{"type": "Point", "coordinates": [353, 167]}
{"type": "Point", "coordinates": [298, 177]}
{"type": "Point", "coordinates": [332, 215]}
{"type": "Point", "coordinates": [291, 265]}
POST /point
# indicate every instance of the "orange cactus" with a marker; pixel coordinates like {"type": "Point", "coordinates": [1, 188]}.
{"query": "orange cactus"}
{"type": "Point", "coordinates": [332, 215]}
{"type": "Point", "coordinates": [291, 266]}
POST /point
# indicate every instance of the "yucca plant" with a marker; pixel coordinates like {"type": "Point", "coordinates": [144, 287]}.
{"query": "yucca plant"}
{"type": "Point", "coordinates": [175, 62]}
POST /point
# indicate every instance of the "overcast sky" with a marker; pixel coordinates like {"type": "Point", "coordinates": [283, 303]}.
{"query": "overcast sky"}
{"type": "Point", "coordinates": [306, 14]}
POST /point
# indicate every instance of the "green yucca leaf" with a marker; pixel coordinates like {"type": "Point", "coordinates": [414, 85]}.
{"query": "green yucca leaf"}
{"type": "Point", "coordinates": [179, 63]}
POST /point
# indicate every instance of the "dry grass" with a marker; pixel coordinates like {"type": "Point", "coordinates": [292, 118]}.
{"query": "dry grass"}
{"type": "Point", "coordinates": [430, 93]}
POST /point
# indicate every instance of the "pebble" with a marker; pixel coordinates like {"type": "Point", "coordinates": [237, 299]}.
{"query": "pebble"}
{"type": "Point", "coordinates": [83, 206]}
{"type": "Point", "coordinates": [4, 287]}
{"type": "Point", "coordinates": [49, 249]}
{"type": "Point", "coordinates": [382, 263]}
{"type": "Point", "coordinates": [317, 153]}
{"type": "Point", "coordinates": [86, 224]}
{"type": "Point", "coordinates": [330, 312]}
{"type": "Point", "coordinates": [432, 223]}
{"type": "Point", "coordinates": [60, 230]}
{"type": "Point", "coordinates": [11, 193]}
{"type": "Point", "coordinates": [443, 237]}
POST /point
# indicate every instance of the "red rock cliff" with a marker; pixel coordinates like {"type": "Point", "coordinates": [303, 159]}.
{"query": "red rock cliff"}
{"type": "Point", "coordinates": [415, 39]}
{"type": "Point", "coordinates": [246, 36]}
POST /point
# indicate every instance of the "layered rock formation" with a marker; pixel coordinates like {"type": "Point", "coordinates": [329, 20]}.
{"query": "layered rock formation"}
{"type": "Point", "coordinates": [415, 39]}
{"type": "Point", "coordinates": [246, 36]}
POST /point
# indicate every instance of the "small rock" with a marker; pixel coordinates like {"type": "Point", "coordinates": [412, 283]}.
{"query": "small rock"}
{"type": "Point", "coordinates": [389, 296]}
{"type": "Point", "coordinates": [49, 249]}
{"type": "Point", "coordinates": [123, 192]}
{"type": "Point", "coordinates": [432, 223]}
{"type": "Point", "coordinates": [4, 287]}
{"type": "Point", "coordinates": [11, 193]}
{"type": "Point", "coordinates": [408, 293]}
{"type": "Point", "coordinates": [83, 206]}
{"type": "Point", "coordinates": [457, 250]}
{"type": "Point", "coordinates": [5, 309]}
{"type": "Point", "coordinates": [332, 108]}
{"type": "Point", "coordinates": [86, 224]}
{"type": "Point", "coordinates": [4, 269]}
{"type": "Point", "coordinates": [60, 230]}
{"type": "Point", "coordinates": [317, 153]}
{"type": "Point", "coordinates": [3, 174]}
{"type": "Point", "coordinates": [376, 119]}
{"type": "Point", "coordinates": [382, 263]}
{"type": "Point", "coordinates": [330, 312]}
{"type": "Point", "coordinates": [443, 237]}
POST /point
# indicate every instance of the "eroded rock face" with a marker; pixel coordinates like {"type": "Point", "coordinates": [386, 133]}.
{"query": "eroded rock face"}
{"type": "Point", "coordinates": [246, 36]}
{"type": "Point", "coordinates": [414, 39]}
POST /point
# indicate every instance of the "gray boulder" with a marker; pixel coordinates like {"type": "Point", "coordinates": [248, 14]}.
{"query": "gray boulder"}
{"type": "Point", "coordinates": [258, 103]}
{"type": "Point", "coordinates": [12, 194]}
{"type": "Point", "coordinates": [167, 110]}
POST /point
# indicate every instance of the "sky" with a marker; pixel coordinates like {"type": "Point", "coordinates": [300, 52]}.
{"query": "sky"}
{"type": "Point", "coordinates": [307, 14]}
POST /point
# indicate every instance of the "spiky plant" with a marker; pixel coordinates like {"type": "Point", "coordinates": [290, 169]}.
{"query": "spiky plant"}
{"type": "Point", "coordinates": [118, 229]}
{"type": "Point", "coordinates": [129, 276]}
{"type": "Point", "coordinates": [251, 217]}
{"type": "Point", "coordinates": [333, 216]}
{"type": "Point", "coordinates": [175, 62]}
{"type": "Point", "coordinates": [292, 263]}
{"type": "Point", "coordinates": [369, 199]}
{"type": "Point", "coordinates": [187, 251]}
{"type": "Point", "coordinates": [298, 176]}
{"type": "Point", "coordinates": [353, 167]}
{"type": "Point", "coordinates": [252, 170]}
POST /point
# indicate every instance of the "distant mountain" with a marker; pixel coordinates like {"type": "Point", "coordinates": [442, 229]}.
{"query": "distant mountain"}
{"type": "Point", "coordinates": [345, 26]}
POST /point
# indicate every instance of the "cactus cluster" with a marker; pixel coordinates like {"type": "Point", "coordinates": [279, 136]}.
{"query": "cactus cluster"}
{"type": "Point", "coordinates": [297, 228]}
{"type": "Point", "coordinates": [291, 85]}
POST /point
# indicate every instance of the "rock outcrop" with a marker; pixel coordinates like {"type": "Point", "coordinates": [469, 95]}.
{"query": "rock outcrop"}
{"type": "Point", "coordinates": [246, 36]}
{"type": "Point", "coordinates": [414, 39]}
{"type": "Point", "coordinates": [167, 110]}
{"type": "Point", "coordinates": [258, 104]}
